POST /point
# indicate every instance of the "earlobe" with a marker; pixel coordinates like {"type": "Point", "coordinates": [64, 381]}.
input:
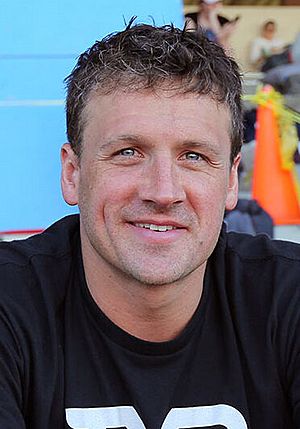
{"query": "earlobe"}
{"type": "Point", "coordinates": [233, 185]}
{"type": "Point", "coordinates": [70, 173]}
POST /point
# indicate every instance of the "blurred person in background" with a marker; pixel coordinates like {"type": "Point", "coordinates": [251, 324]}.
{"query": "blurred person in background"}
{"type": "Point", "coordinates": [265, 46]}
{"type": "Point", "coordinates": [216, 27]}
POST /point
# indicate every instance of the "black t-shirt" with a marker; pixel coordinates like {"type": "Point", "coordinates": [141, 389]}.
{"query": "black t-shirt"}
{"type": "Point", "coordinates": [64, 364]}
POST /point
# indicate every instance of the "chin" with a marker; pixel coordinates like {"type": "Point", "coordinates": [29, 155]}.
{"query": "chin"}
{"type": "Point", "coordinates": [158, 278]}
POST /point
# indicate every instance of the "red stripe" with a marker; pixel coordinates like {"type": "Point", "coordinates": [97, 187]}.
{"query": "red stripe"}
{"type": "Point", "coordinates": [21, 231]}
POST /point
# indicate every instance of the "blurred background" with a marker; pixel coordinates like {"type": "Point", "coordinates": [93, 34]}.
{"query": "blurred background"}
{"type": "Point", "coordinates": [252, 14]}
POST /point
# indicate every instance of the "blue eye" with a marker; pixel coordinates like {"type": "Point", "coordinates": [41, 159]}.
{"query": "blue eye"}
{"type": "Point", "coordinates": [127, 152]}
{"type": "Point", "coordinates": [127, 156]}
{"type": "Point", "coordinates": [193, 156]}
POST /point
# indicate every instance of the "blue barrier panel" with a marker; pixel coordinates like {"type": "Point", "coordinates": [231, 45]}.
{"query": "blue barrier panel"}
{"type": "Point", "coordinates": [40, 43]}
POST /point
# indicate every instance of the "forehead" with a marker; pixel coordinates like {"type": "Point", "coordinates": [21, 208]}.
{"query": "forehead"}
{"type": "Point", "coordinates": [159, 115]}
{"type": "Point", "coordinates": [170, 101]}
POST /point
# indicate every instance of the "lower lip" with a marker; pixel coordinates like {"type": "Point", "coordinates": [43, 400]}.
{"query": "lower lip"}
{"type": "Point", "coordinates": [156, 237]}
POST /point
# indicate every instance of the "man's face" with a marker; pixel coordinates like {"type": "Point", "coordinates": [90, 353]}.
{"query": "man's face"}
{"type": "Point", "coordinates": [152, 183]}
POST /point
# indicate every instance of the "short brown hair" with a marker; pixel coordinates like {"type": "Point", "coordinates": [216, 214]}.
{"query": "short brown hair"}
{"type": "Point", "coordinates": [148, 57]}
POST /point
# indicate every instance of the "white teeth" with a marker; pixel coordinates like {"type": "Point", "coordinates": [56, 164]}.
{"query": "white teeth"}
{"type": "Point", "coordinates": [152, 227]}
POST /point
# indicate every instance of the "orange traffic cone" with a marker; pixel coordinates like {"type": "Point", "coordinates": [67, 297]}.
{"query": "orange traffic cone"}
{"type": "Point", "coordinates": [273, 187]}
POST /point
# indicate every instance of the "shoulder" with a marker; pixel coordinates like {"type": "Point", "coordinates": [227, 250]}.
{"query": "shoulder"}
{"type": "Point", "coordinates": [35, 276]}
{"type": "Point", "coordinates": [260, 285]}
{"type": "Point", "coordinates": [39, 265]}
{"type": "Point", "coordinates": [264, 267]}
{"type": "Point", "coordinates": [261, 248]}
{"type": "Point", "coordinates": [53, 242]}
{"type": "Point", "coordinates": [260, 278]}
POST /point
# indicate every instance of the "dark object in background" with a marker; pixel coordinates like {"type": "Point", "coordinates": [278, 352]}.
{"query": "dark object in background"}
{"type": "Point", "coordinates": [249, 120]}
{"type": "Point", "coordinates": [277, 60]}
{"type": "Point", "coordinates": [222, 20]}
{"type": "Point", "coordinates": [248, 216]}
{"type": "Point", "coordinates": [284, 78]}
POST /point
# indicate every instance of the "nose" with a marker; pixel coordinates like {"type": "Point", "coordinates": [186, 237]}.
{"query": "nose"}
{"type": "Point", "coordinates": [162, 183]}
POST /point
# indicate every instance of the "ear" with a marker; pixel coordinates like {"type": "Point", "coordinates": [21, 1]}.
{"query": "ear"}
{"type": "Point", "coordinates": [233, 184]}
{"type": "Point", "coordinates": [70, 173]}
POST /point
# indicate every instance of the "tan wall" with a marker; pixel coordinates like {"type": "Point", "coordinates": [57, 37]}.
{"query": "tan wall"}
{"type": "Point", "coordinates": [287, 18]}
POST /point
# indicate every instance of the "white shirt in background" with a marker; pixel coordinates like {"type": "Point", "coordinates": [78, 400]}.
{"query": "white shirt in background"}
{"type": "Point", "coordinates": [262, 47]}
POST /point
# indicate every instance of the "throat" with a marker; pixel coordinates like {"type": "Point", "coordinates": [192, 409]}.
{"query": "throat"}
{"type": "Point", "coordinates": [151, 314]}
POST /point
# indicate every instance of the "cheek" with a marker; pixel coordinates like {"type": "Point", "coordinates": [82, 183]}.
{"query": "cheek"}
{"type": "Point", "coordinates": [105, 195]}
{"type": "Point", "coordinates": [207, 192]}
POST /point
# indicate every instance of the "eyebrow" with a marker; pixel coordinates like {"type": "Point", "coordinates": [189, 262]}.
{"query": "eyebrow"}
{"type": "Point", "coordinates": [200, 145]}
{"type": "Point", "coordinates": [123, 138]}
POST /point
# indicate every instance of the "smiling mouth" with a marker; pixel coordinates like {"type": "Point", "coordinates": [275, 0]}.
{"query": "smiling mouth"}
{"type": "Point", "coordinates": [156, 228]}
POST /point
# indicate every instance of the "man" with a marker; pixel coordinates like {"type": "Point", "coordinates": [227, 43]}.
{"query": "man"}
{"type": "Point", "coordinates": [142, 312]}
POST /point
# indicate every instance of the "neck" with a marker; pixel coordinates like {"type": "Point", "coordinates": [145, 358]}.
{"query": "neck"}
{"type": "Point", "coordinates": [152, 313]}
